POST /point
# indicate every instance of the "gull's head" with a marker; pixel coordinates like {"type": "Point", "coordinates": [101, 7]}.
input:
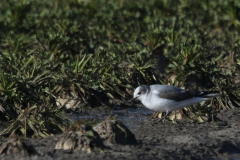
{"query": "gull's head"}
{"type": "Point", "coordinates": [140, 92]}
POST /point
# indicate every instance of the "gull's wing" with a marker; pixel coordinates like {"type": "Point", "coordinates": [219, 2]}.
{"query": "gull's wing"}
{"type": "Point", "coordinates": [178, 94]}
{"type": "Point", "coordinates": [171, 92]}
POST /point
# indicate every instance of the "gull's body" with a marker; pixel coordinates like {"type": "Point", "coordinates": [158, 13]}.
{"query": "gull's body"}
{"type": "Point", "coordinates": [166, 98]}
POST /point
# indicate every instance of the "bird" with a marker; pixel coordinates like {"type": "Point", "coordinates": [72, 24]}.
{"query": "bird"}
{"type": "Point", "coordinates": [167, 98]}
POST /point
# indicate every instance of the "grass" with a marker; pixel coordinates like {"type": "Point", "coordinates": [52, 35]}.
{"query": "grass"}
{"type": "Point", "coordinates": [103, 46]}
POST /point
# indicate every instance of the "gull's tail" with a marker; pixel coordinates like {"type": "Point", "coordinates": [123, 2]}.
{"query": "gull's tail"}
{"type": "Point", "coordinates": [207, 94]}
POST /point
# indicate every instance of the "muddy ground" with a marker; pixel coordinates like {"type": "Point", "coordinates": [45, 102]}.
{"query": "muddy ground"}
{"type": "Point", "coordinates": [156, 140]}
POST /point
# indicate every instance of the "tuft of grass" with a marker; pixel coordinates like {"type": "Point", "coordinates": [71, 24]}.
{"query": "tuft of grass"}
{"type": "Point", "coordinates": [49, 48]}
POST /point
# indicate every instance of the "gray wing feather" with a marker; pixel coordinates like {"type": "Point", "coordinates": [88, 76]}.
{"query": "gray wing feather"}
{"type": "Point", "coordinates": [172, 93]}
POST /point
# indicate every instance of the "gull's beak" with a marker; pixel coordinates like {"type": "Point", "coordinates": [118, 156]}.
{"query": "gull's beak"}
{"type": "Point", "coordinates": [133, 99]}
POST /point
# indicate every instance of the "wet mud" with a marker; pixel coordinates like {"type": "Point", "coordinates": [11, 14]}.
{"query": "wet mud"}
{"type": "Point", "coordinates": [155, 140]}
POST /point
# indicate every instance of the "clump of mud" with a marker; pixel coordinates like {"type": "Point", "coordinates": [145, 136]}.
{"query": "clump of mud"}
{"type": "Point", "coordinates": [82, 139]}
{"type": "Point", "coordinates": [114, 132]}
{"type": "Point", "coordinates": [14, 146]}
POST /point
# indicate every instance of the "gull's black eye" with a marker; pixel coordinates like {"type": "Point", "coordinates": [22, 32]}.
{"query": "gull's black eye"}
{"type": "Point", "coordinates": [139, 93]}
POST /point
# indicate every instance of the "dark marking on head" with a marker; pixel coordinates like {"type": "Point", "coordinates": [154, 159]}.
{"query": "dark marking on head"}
{"type": "Point", "coordinates": [144, 89]}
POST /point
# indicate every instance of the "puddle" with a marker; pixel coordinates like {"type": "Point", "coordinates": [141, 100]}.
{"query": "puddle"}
{"type": "Point", "coordinates": [132, 115]}
{"type": "Point", "coordinates": [127, 116]}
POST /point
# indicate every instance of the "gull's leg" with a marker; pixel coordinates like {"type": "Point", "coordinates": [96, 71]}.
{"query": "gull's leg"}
{"type": "Point", "coordinates": [174, 120]}
{"type": "Point", "coordinates": [155, 115]}
{"type": "Point", "coordinates": [163, 118]}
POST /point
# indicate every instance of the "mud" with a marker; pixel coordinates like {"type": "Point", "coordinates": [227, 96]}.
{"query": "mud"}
{"type": "Point", "coordinates": [155, 140]}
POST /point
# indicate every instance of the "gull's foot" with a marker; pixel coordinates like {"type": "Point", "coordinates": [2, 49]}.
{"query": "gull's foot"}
{"type": "Point", "coordinates": [155, 115]}
{"type": "Point", "coordinates": [174, 121]}
{"type": "Point", "coordinates": [161, 119]}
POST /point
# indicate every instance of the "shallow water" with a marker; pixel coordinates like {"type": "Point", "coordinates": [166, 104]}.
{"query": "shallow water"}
{"type": "Point", "coordinates": [133, 115]}
{"type": "Point", "coordinates": [124, 115]}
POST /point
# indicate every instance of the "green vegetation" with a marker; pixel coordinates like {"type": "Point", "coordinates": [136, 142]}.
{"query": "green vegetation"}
{"type": "Point", "coordinates": [50, 46]}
